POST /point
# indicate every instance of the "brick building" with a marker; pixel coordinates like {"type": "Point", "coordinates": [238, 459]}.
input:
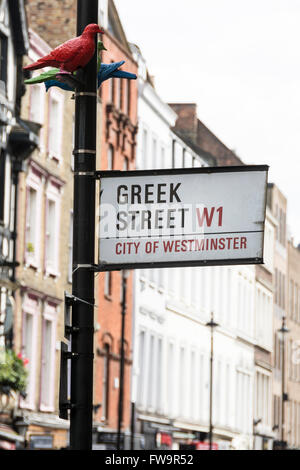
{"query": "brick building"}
{"type": "Point", "coordinates": [53, 23]}
{"type": "Point", "coordinates": [45, 203]}
{"type": "Point", "coordinates": [278, 206]}
{"type": "Point", "coordinates": [198, 135]}
{"type": "Point", "coordinates": [17, 140]}
{"type": "Point", "coordinates": [292, 346]}
{"type": "Point", "coordinates": [118, 148]}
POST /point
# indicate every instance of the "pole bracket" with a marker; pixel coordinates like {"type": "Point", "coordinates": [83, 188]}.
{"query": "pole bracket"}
{"type": "Point", "coordinates": [71, 330]}
{"type": "Point", "coordinates": [79, 151]}
{"type": "Point", "coordinates": [84, 173]}
{"type": "Point", "coordinates": [76, 355]}
{"type": "Point", "coordinates": [86, 93]}
{"type": "Point", "coordinates": [67, 406]}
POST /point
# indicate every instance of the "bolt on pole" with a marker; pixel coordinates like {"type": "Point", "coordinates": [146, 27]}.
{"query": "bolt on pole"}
{"type": "Point", "coordinates": [81, 415]}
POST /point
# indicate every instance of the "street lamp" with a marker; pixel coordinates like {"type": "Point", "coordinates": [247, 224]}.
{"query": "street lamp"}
{"type": "Point", "coordinates": [125, 275]}
{"type": "Point", "coordinates": [212, 325]}
{"type": "Point", "coordinates": [281, 333]}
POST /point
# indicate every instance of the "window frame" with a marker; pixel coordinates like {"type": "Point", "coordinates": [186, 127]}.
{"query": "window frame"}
{"type": "Point", "coordinates": [56, 154]}
{"type": "Point", "coordinates": [30, 307]}
{"type": "Point", "coordinates": [34, 181]}
{"type": "Point", "coordinates": [49, 315]}
{"type": "Point", "coordinates": [53, 194]}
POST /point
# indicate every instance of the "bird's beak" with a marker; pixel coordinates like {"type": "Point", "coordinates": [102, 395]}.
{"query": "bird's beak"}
{"type": "Point", "coordinates": [101, 31]}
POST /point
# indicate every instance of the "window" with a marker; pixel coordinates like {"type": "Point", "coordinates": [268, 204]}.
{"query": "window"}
{"type": "Point", "coordinates": [283, 291]}
{"type": "Point", "coordinates": [192, 385]}
{"type": "Point", "coordinates": [33, 213]}
{"type": "Point", "coordinates": [243, 399]}
{"type": "Point", "coordinates": [48, 358]}
{"type": "Point", "coordinates": [263, 394]}
{"type": "Point", "coordinates": [105, 383]}
{"type": "Point", "coordinates": [127, 97]}
{"type": "Point", "coordinates": [36, 103]}
{"type": "Point", "coordinates": [158, 401]}
{"type": "Point", "coordinates": [36, 112]}
{"type": "Point", "coordinates": [29, 334]}
{"type": "Point", "coordinates": [150, 394]}
{"type": "Point", "coordinates": [55, 126]}
{"type": "Point", "coordinates": [141, 377]}
{"type": "Point", "coordinates": [276, 286]}
{"type": "Point", "coordinates": [177, 155]}
{"type": "Point", "coordinates": [111, 84]}
{"type": "Point", "coordinates": [28, 348]}
{"type": "Point", "coordinates": [3, 62]}
{"type": "Point", "coordinates": [298, 314]}
{"type": "Point", "coordinates": [50, 235]}
{"type": "Point", "coordinates": [182, 383]}
{"type": "Point", "coordinates": [291, 299]}
{"type": "Point", "coordinates": [188, 160]}
{"type": "Point", "coordinates": [154, 153]}
{"type": "Point", "coordinates": [202, 390]}
{"type": "Point", "coordinates": [117, 97]}
{"type": "Point", "coordinates": [120, 87]}
{"type": "Point", "coordinates": [2, 184]}
{"type": "Point", "coordinates": [144, 163]}
{"type": "Point", "coordinates": [70, 249]}
{"type": "Point", "coordinates": [110, 157]}
{"type": "Point", "coordinates": [162, 158]}
{"type": "Point", "coordinates": [295, 301]}
{"type": "Point", "coordinates": [170, 378]}
{"type": "Point", "coordinates": [73, 144]}
{"type": "Point", "coordinates": [277, 226]}
{"type": "Point", "coordinates": [52, 229]}
{"type": "Point", "coordinates": [102, 13]}
{"type": "Point", "coordinates": [107, 284]}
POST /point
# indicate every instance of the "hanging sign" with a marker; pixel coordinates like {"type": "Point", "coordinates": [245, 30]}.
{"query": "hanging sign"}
{"type": "Point", "coordinates": [182, 217]}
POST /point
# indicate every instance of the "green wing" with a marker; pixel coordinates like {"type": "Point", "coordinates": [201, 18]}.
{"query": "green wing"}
{"type": "Point", "coordinates": [51, 74]}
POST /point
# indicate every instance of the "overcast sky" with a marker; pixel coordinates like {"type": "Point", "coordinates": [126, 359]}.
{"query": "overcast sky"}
{"type": "Point", "coordinates": [239, 60]}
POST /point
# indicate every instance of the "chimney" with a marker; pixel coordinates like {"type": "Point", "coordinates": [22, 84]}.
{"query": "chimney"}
{"type": "Point", "coordinates": [186, 123]}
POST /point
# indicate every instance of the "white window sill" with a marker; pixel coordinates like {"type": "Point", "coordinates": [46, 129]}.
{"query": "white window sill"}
{"type": "Point", "coordinates": [54, 156]}
{"type": "Point", "coordinates": [31, 262]}
{"type": "Point", "coordinates": [51, 272]}
{"type": "Point", "coordinates": [27, 406]}
{"type": "Point", "coordinates": [47, 408]}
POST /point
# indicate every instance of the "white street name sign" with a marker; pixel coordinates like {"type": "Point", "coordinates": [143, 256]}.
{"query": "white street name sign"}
{"type": "Point", "coordinates": [182, 217]}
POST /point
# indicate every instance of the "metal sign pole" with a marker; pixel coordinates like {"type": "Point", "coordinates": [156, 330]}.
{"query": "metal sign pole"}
{"type": "Point", "coordinates": [81, 416]}
{"type": "Point", "coordinates": [122, 361]}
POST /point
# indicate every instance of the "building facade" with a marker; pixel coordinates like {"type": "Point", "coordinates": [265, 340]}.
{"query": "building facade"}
{"type": "Point", "coordinates": [17, 140]}
{"type": "Point", "coordinates": [263, 434]}
{"type": "Point", "coordinates": [292, 347]}
{"type": "Point", "coordinates": [117, 142]}
{"type": "Point", "coordinates": [278, 206]}
{"type": "Point", "coordinates": [170, 383]}
{"type": "Point", "coordinates": [45, 201]}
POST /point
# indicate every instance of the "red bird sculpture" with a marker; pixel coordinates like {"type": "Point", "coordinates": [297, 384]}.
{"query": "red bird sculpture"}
{"type": "Point", "coordinates": [72, 54]}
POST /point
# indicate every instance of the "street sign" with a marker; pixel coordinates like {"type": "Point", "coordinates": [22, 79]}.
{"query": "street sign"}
{"type": "Point", "coordinates": [182, 217]}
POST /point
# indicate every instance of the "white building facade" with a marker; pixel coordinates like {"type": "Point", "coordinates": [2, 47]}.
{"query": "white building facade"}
{"type": "Point", "coordinates": [171, 381]}
{"type": "Point", "coordinates": [264, 300]}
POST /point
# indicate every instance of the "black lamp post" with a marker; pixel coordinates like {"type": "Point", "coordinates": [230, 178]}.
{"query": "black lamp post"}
{"type": "Point", "coordinates": [283, 330]}
{"type": "Point", "coordinates": [212, 325]}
